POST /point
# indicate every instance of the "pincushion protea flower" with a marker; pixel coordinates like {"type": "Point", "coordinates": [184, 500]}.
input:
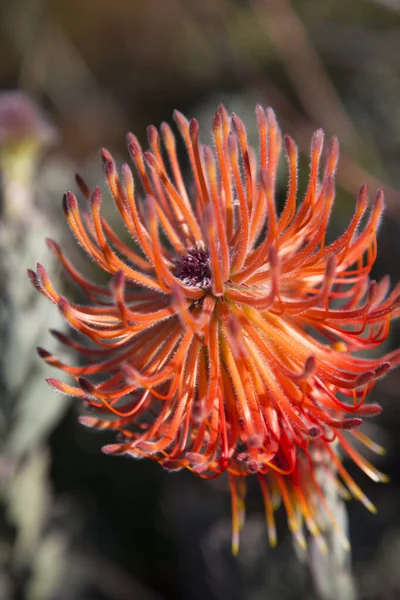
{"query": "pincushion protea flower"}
{"type": "Point", "coordinates": [225, 340]}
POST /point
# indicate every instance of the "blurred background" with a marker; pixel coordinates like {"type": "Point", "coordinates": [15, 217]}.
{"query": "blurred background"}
{"type": "Point", "coordinates": [74, 76]}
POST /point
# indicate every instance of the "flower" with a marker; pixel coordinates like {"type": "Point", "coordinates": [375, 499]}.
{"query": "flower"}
{"type": "Point", "coordinates": [226, 338]}
{"type": "Point", "coordinates": [24, 134]}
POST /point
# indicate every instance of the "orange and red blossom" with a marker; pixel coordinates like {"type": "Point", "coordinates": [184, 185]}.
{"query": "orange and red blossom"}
{"type": "Point", "coordinates": [226, 338]}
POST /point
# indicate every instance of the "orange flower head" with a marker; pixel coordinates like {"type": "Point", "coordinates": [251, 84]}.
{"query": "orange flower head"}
{"type": "Point", "coordinates": [226, 339]}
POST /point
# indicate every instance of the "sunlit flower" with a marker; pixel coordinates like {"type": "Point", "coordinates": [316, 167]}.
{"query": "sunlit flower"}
{"type": "Point", "coordinates": [225, 340]}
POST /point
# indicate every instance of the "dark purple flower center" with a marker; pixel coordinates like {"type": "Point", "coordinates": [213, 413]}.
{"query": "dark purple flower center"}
{"type": "Point", "coordinates": [194, 268]}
